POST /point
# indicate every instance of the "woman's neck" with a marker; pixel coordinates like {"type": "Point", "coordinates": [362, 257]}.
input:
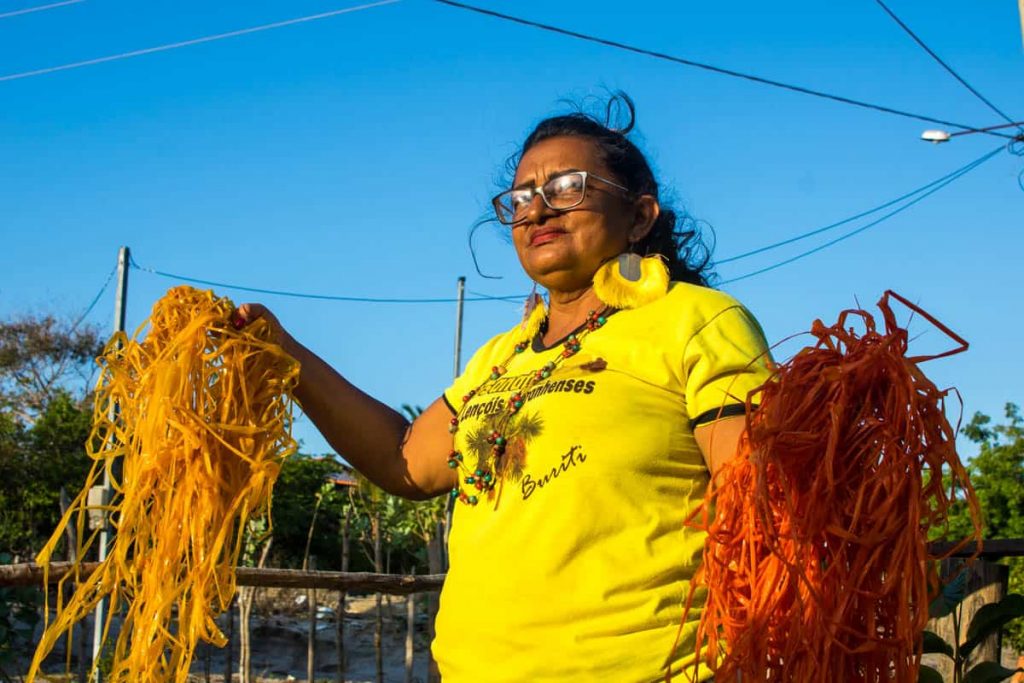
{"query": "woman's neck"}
{"type": "Point", "coordinates": [569, 310]}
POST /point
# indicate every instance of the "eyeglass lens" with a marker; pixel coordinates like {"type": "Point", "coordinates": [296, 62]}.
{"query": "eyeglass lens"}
{"type": "Point", "coordinates": [561, 192]}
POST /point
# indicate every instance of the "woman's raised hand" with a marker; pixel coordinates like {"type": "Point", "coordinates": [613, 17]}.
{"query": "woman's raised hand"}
{"type": "Point", "coordinates": [247, 313]}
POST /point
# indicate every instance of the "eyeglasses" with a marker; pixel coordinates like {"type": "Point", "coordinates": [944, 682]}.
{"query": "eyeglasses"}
{"type": "Point", "coordinates": [560, 193]}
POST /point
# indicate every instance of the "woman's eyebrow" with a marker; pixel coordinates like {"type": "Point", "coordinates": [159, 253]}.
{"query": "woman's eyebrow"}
{"type": "Point", "coordinates": [553, 174]}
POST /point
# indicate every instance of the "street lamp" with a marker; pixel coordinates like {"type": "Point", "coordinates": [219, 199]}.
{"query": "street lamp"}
{"type": "Point", "coordinates": [937, 136]}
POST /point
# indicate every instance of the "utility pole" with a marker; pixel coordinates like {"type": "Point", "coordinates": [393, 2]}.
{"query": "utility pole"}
{"type": "Point", "coordinates": [458, 323]}
{"type": "Point", "coordinates": [449, 506]}
{"type": "Point", "coordinates": [104, 494]}
{"type": "Point", "coordinates": [440, 540]}
{"type": "Point", "coordinates": [1020, 8]}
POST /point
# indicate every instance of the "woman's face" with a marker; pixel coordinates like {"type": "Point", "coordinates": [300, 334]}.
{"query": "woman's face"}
{"type": "Point", "coordinates": [561, 250]}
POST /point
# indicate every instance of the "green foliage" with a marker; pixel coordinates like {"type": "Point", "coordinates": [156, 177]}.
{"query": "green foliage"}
{"type": "Point", "coordinates": [295, 498]}
{"type": "Point", "coordinates": [952, 595]}
{"type": "Point", "coordinates": [19, 614]}
{"type": "Point", "coordinates": [36, 461]}
{"type": "Point", "coordinates": [989, 672]}
{"type": "Point", "coordinates": [997, 473]}
{"type": "Point", "coordinates": [987, 620]}
{"type": "Point", "coordinates": [45, 366]}
{"type": "Point", "coordinates": [257, 535]}
{"type": "Point", "coordinates": [406, 526]}
{"type": "Point", "coordinates": [990, 618]}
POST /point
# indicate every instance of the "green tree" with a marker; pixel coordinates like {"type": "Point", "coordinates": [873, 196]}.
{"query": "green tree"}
{"type": "Point", "coordinates": [295, 498]}
{"type": "Point", "coordinates": [35, 463]}
{"type": "Point", "coordinates": [997, 473]}
{"type": "Point", "coordinates": [40, 357]}
{"type": "Point", "coordinates": [46, 364]}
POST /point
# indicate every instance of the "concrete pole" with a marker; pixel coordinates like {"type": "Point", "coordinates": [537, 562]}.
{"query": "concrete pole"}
{"type": "Point", "coordinates": [120, 304]}
{"type": "Point", "coordinates": [458, 322]}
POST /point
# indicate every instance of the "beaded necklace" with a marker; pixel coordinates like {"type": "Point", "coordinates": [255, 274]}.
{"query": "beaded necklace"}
{"type": "Point", "coordinates": [484, 477]}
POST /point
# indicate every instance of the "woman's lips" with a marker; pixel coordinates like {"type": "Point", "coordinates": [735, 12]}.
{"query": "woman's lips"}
{"type": "Point", "coordinates": [545, 235]}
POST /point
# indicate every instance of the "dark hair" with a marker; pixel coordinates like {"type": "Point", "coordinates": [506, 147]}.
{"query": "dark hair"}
{"type": "Point", "coordinates": [675, 235]}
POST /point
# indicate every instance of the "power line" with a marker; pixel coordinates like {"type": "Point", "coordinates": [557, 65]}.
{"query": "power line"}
{"type": "Point", "coordinates": [959, 174]}
{"type": "Point", "coordinates": [832, 226]}
{"type": "Point", "coordinates": [194, 41]}
{"type": "Point", "coordinates": [95, 300]}
{"type": "Point", "coordinates": [931, 188]}
{"type": "Point", "coordinates": [39, 8]}
{"type": "Point", "coordinates": [715, 69]}
{"type": "Point", "coordinates": [321, 297]}
{"type": "Point", "coordinates": [938, 59]}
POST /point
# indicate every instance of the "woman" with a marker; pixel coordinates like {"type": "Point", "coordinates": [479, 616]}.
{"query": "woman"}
{"type": "Point", "coordinates": [577, 442]}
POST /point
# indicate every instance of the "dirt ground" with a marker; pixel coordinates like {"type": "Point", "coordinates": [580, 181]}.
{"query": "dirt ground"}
{"type": "Point", "coordinates": [280, 625]}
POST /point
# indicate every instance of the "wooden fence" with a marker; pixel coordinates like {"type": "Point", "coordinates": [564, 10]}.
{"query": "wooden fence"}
{"type": "Point", "coordinates": [29, 574]}
{"type": "Point", "coordinates": [987, 583]}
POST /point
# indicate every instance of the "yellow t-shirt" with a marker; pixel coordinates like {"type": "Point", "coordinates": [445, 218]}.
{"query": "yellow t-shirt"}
{"type": "Point", "coordinates": [576, 566]}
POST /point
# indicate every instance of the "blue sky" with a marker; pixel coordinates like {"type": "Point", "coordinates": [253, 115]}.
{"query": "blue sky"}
{"type": "Point", "coordinates": [351, 155]}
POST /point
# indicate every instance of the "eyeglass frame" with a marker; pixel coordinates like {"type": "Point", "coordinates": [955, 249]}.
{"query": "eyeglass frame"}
{"type": "Point", "coordinates": [534, 191]}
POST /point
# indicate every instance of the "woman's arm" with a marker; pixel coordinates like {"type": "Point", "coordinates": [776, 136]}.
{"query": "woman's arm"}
{"type": "Point", "coordinates": [408, 460]}
{"type": "Point", "coordinates": [718, 440]}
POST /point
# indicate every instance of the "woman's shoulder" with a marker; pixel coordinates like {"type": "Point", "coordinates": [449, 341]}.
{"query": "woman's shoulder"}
{"type": "Point", "coordinates": [690, 299]}
{"type": "Point", "coordinates": [689, 309]}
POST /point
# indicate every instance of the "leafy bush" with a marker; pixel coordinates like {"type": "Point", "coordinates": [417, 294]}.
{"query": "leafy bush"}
{"type": "Point", "coordinates": [988, 620]}
{"type": "Point", "coordinates": [19, 615]}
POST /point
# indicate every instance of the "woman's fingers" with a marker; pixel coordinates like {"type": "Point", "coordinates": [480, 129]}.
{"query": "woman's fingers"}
{"type": "Point", "coordinates": [246, 313]}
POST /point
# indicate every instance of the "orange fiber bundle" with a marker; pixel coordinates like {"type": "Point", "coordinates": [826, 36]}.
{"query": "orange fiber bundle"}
{"type": "Point", "coordinates": [816, 563]}
{"type": "Point", "coordinates": [200, 415]}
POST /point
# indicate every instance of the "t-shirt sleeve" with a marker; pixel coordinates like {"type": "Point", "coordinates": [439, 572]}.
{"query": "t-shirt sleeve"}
{"type": "Point", "coordinates": [725, 360]}
{"type": "Point", "coordinates": [476, 371]}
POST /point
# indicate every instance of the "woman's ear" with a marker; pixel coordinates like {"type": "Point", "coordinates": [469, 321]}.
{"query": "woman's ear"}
{"type": "Point", "coordinates": [647, 212]}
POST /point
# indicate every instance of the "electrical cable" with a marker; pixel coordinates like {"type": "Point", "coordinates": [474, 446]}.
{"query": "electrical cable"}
{"type": "Point", "coordinates": [716, 69]}
{"type": "Point", "coordinates": [938, 59]}
{"type": "Point", "coordinates": [95, 300]}
{"type": "Point", "coordinates": [964, 171]}
{"type": "Point", "coordinates": [320, 297]}
{"type": "Point", "coordinates": [39, 8]}
{"type": "Point", "coordinates": [832, 226]}
{"type": "Point", "coordinates": [195, 41]}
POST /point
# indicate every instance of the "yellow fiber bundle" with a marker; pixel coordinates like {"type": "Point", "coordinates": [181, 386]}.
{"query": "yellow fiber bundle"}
{"type": "Point", "coordinates": [201, 413]}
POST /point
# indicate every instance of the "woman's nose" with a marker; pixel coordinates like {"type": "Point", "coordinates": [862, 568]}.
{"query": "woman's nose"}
{"type": "Point", "coordinates": [538, 210]}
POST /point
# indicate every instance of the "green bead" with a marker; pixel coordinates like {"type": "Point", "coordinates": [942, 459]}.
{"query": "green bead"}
{"type": "Point", "coordinates": [500, 441]}
{"type": "Point", "coordinates": [472, 500]}
{"type": "Point", "coordinates": [601, 320]}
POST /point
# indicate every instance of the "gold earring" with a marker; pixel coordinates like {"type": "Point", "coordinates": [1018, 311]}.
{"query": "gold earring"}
{"type": "Point", "coordinates": [630, 281]}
